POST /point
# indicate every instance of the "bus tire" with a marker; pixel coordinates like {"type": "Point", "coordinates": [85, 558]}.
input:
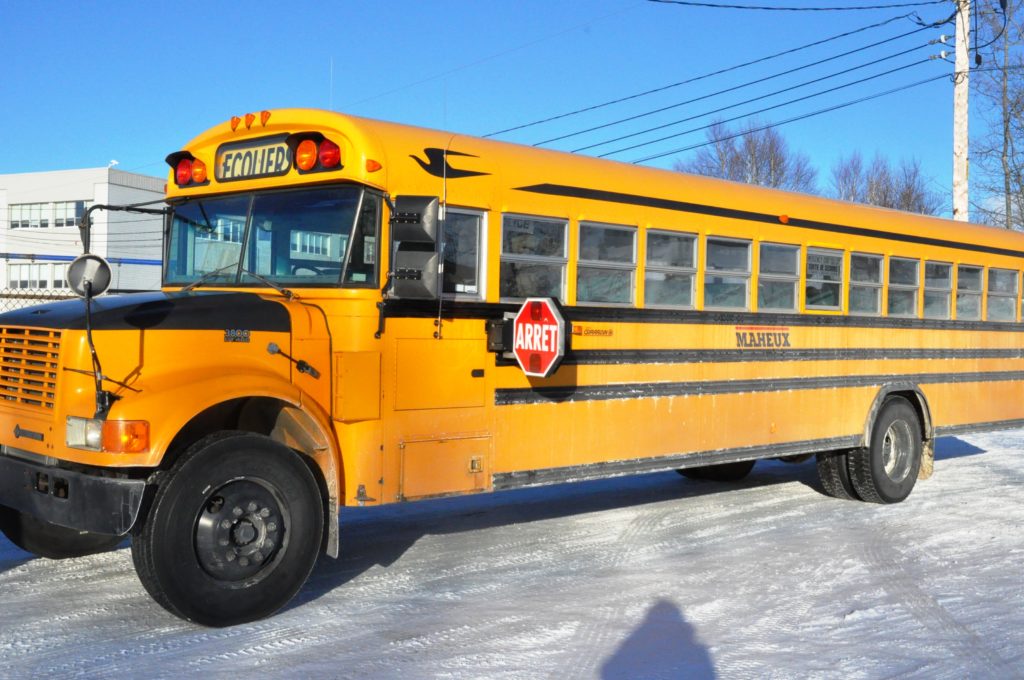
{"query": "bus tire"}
{"type": "Point", "coordinates": [725, 472]}
{"type": "Point", "coordinates": [51, 540]}
{"type": "Point", "coordinates": [885, 471]}
{"type": "Point", "coordinates": [834, 473]}
{"type": "Point", "coordinates": [233, 533]}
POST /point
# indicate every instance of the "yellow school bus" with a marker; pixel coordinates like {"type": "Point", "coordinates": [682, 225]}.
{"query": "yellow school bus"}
{"type": "Point", "coordinates": [345, 317]}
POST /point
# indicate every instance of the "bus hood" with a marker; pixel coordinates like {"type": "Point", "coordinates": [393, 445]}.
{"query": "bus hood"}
{"type": "Point", "coordinates": [206, 310]}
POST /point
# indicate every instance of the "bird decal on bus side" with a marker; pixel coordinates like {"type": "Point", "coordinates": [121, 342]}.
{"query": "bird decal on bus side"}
{"type": "Point", "coordinates": [438, 165]}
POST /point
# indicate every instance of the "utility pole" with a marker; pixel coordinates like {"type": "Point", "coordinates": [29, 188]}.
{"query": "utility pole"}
{"type": "Point", "coordinates": [961, 83]}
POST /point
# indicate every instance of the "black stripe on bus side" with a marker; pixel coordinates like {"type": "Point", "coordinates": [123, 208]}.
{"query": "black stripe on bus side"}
{"type": "Point", "coordinates": [689, 356]}
{"type": "Point", "coordinates": [542, 395]}
{"type": "Point", "coordinates": [512, 480]}
{"type": "Point", "coordinates": [492, 311]}
{"type": "Point", "coordinates": [948, 430]}
{"type": "Point", "coordinates": [717, 211]}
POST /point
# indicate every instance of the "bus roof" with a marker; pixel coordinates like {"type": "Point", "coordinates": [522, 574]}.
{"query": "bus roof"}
{"type": "Point", "coordinates": [412, 160]}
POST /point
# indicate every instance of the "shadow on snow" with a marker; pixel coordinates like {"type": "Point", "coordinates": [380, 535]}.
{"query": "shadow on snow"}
{"type": "Point", "coordinates": [379, 536]}
{"type": "Point", "coordinates": [953, 447]}
{"type": "Point", "coordinates": [662, 646]}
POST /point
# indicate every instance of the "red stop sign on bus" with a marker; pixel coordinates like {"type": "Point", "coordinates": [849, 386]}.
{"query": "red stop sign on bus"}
{"type": "Point", "coordinates": [538, 333]}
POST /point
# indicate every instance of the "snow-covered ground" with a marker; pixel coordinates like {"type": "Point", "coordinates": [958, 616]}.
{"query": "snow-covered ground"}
{"type": "Point", "coordinates": [642, 577]}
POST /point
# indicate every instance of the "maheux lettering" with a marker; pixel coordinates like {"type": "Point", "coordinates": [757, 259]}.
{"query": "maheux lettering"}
{"type": "Point", "coordinates": [746, 339]}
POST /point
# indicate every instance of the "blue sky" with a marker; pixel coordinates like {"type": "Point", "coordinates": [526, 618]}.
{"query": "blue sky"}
{"type": "Point", "coordinates": [86, 83]}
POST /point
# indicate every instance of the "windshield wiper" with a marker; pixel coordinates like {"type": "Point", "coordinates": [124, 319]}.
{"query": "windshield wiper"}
{"type": "Point", "coordinates": [208, 276]}
{"type": "Point", "coordinates": [259, 277]}
{"type": "Point", "coordinates": [273, 284]}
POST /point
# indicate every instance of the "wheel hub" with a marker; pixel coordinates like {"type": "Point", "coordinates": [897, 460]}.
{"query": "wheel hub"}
{"type": "Point", "coordinates": [897, 446]}
{"type": "Point", "coordinates": [239, 532]}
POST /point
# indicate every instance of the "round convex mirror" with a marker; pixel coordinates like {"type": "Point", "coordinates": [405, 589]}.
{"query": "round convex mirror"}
{"type": "Point", "coordinates": [90, 271]}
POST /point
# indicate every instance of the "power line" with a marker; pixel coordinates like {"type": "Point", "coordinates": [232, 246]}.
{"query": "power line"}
{"type": "Point", "coordinates": [697, 78]}
{"type": "Point", "coordinates": [768, 108]}
{"type": "Point", "coordinates": [791, 120]}
{"type": "Point", "coordinates": [751, 100]}
{"type": "Point", "coordinates": [732, 89]}
{"type": "Point", "coordinates": [769, 8]}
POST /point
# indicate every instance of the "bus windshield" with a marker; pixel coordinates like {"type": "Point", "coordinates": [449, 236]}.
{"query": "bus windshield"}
{"type": "Point", "coordinates": [314, 237]}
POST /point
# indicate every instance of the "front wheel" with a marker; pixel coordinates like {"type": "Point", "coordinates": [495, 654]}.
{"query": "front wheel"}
{"type": "Point", "coordinates": [885, 472]}
{"type": "Point", "coordinates": [234, 532]}
{"type": "Point", "coordinates": [51, 540]}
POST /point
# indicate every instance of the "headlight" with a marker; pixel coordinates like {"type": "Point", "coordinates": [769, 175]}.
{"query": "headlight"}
{"type": "Point", "coordinates": [84, 433]}
{"type": "Point", "coordinates": [112, 436]}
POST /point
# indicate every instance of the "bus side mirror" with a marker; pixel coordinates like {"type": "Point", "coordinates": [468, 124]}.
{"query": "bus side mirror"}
{"type": "Point", "coordinates": [416, 258]}
{"type": "Point", "coordinates": [89, 275]}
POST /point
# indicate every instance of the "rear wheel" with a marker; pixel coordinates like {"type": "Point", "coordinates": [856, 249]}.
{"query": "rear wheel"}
{"type": "Point", "coordinates": [885, 472]}
{"type": "Point", "coordinates": [834, 472]}
{"type": "Point", "coordinates": [51, 540]}
{"type": "Point", "coordinates": [234, 532]}
{"type": "Point", "coordinates": [726, 472]}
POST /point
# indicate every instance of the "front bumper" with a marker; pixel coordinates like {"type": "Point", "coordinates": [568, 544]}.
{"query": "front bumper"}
{"type": "Point", "coordinates": [104, 505]}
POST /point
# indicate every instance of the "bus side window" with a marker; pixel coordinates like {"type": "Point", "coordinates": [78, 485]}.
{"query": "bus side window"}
{"type": "Point", "coordinates": [904, 280]}
{"type": "Point", "coordinates": [777, 277]}
{"type": "Point", "coordinates": [670, 269]}
{"type": "Point", "coordinates": [607, 264]}
{"type": "Point", "coordinates": [533, 257]}
{"type": "Point", "coordinates": [938, 281]}
{"type": "Point", "coordinates": [823, 289]}
{"type": "Point", "coordinates": [727, 275]}
{"type": "Point", "coordinates": [1002, 295]}
{"type": "Point", "coordinates": [462, 265]}
{"type": "Point", "coordinates": [968, 293]}
{"type": "Point", "coordinates": [865, 284]}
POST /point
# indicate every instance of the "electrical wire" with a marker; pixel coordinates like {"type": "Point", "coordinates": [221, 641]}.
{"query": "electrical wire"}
{"type": "Point", "coordinates": [697, 78]}
{"type": "Point", "coordinates": [767, 108]}
{"type": "Point", "coordinates": [791, 120]}
{"type": "Point", "coordinates": [731, 89]}
{"type": "Point", "coordinates": [751, 100]}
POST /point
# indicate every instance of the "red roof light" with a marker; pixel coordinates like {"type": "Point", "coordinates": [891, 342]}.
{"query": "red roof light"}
{"type": "Point", "coordinates": [330, 154]}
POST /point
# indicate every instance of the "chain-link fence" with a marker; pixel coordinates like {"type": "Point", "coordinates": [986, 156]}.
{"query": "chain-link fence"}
{"type": "Point", "coordinates": [17, 298]}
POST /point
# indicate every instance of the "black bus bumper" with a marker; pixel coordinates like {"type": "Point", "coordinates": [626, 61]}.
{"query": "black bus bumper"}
{"type": "Point", "coordinates": [104, 505]}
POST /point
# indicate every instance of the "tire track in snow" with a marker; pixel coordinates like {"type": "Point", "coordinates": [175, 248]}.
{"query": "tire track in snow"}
{"type": "Point", "coordinates": [886, 561]}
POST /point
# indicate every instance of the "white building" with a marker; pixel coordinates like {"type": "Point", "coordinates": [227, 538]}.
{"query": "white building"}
{"type": "Point", "coordinates": [39, 217]}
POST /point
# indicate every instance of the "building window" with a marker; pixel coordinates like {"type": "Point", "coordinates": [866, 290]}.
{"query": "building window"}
{"type": "Point", "coordinates": [1002, 295]}
{"type": "Point", "coordinates": [308, 242]}
{"type": "Point", "coordinates": [463, 231]}
{"type": "Point", "coordinates": [727, 274]}
{"type": "Point", "coordinates": [904, 282]}
{"type": "Point", "coordinates": [60, 276]}
{"type": "Point", "coordinates": [670, 270]}
{"type": "Point", "coordinates": [824, 283]}
{"type": "Point", "coordinates": [69, 213]}
{"type": "Point", "coordinates": [865, 284]}
{"type": "Point", "coordinates": [968, 293]}
{"type": "Point", "coordinates": [777, 277]}
{"type": "Point", "coordinates": [607, 264]}
{"type": "Point", "coordinates": [938, 282]}
{"type": "Point", "coordinates": [231, 230]}
{"type": "Point", "coordinates": [29, 215]}
{"type": "Point", "coordinates": [36, 276]}
{"type": "Point", "coordinates": [532, 257]}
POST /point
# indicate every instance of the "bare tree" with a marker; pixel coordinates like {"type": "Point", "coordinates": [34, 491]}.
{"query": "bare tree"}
{"type": "Point", "coordinates": [755, 155]}
{"type": "Point", "coordinates": [903, 187]}
{"type": "Point", "coordinates": [997, 153]}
